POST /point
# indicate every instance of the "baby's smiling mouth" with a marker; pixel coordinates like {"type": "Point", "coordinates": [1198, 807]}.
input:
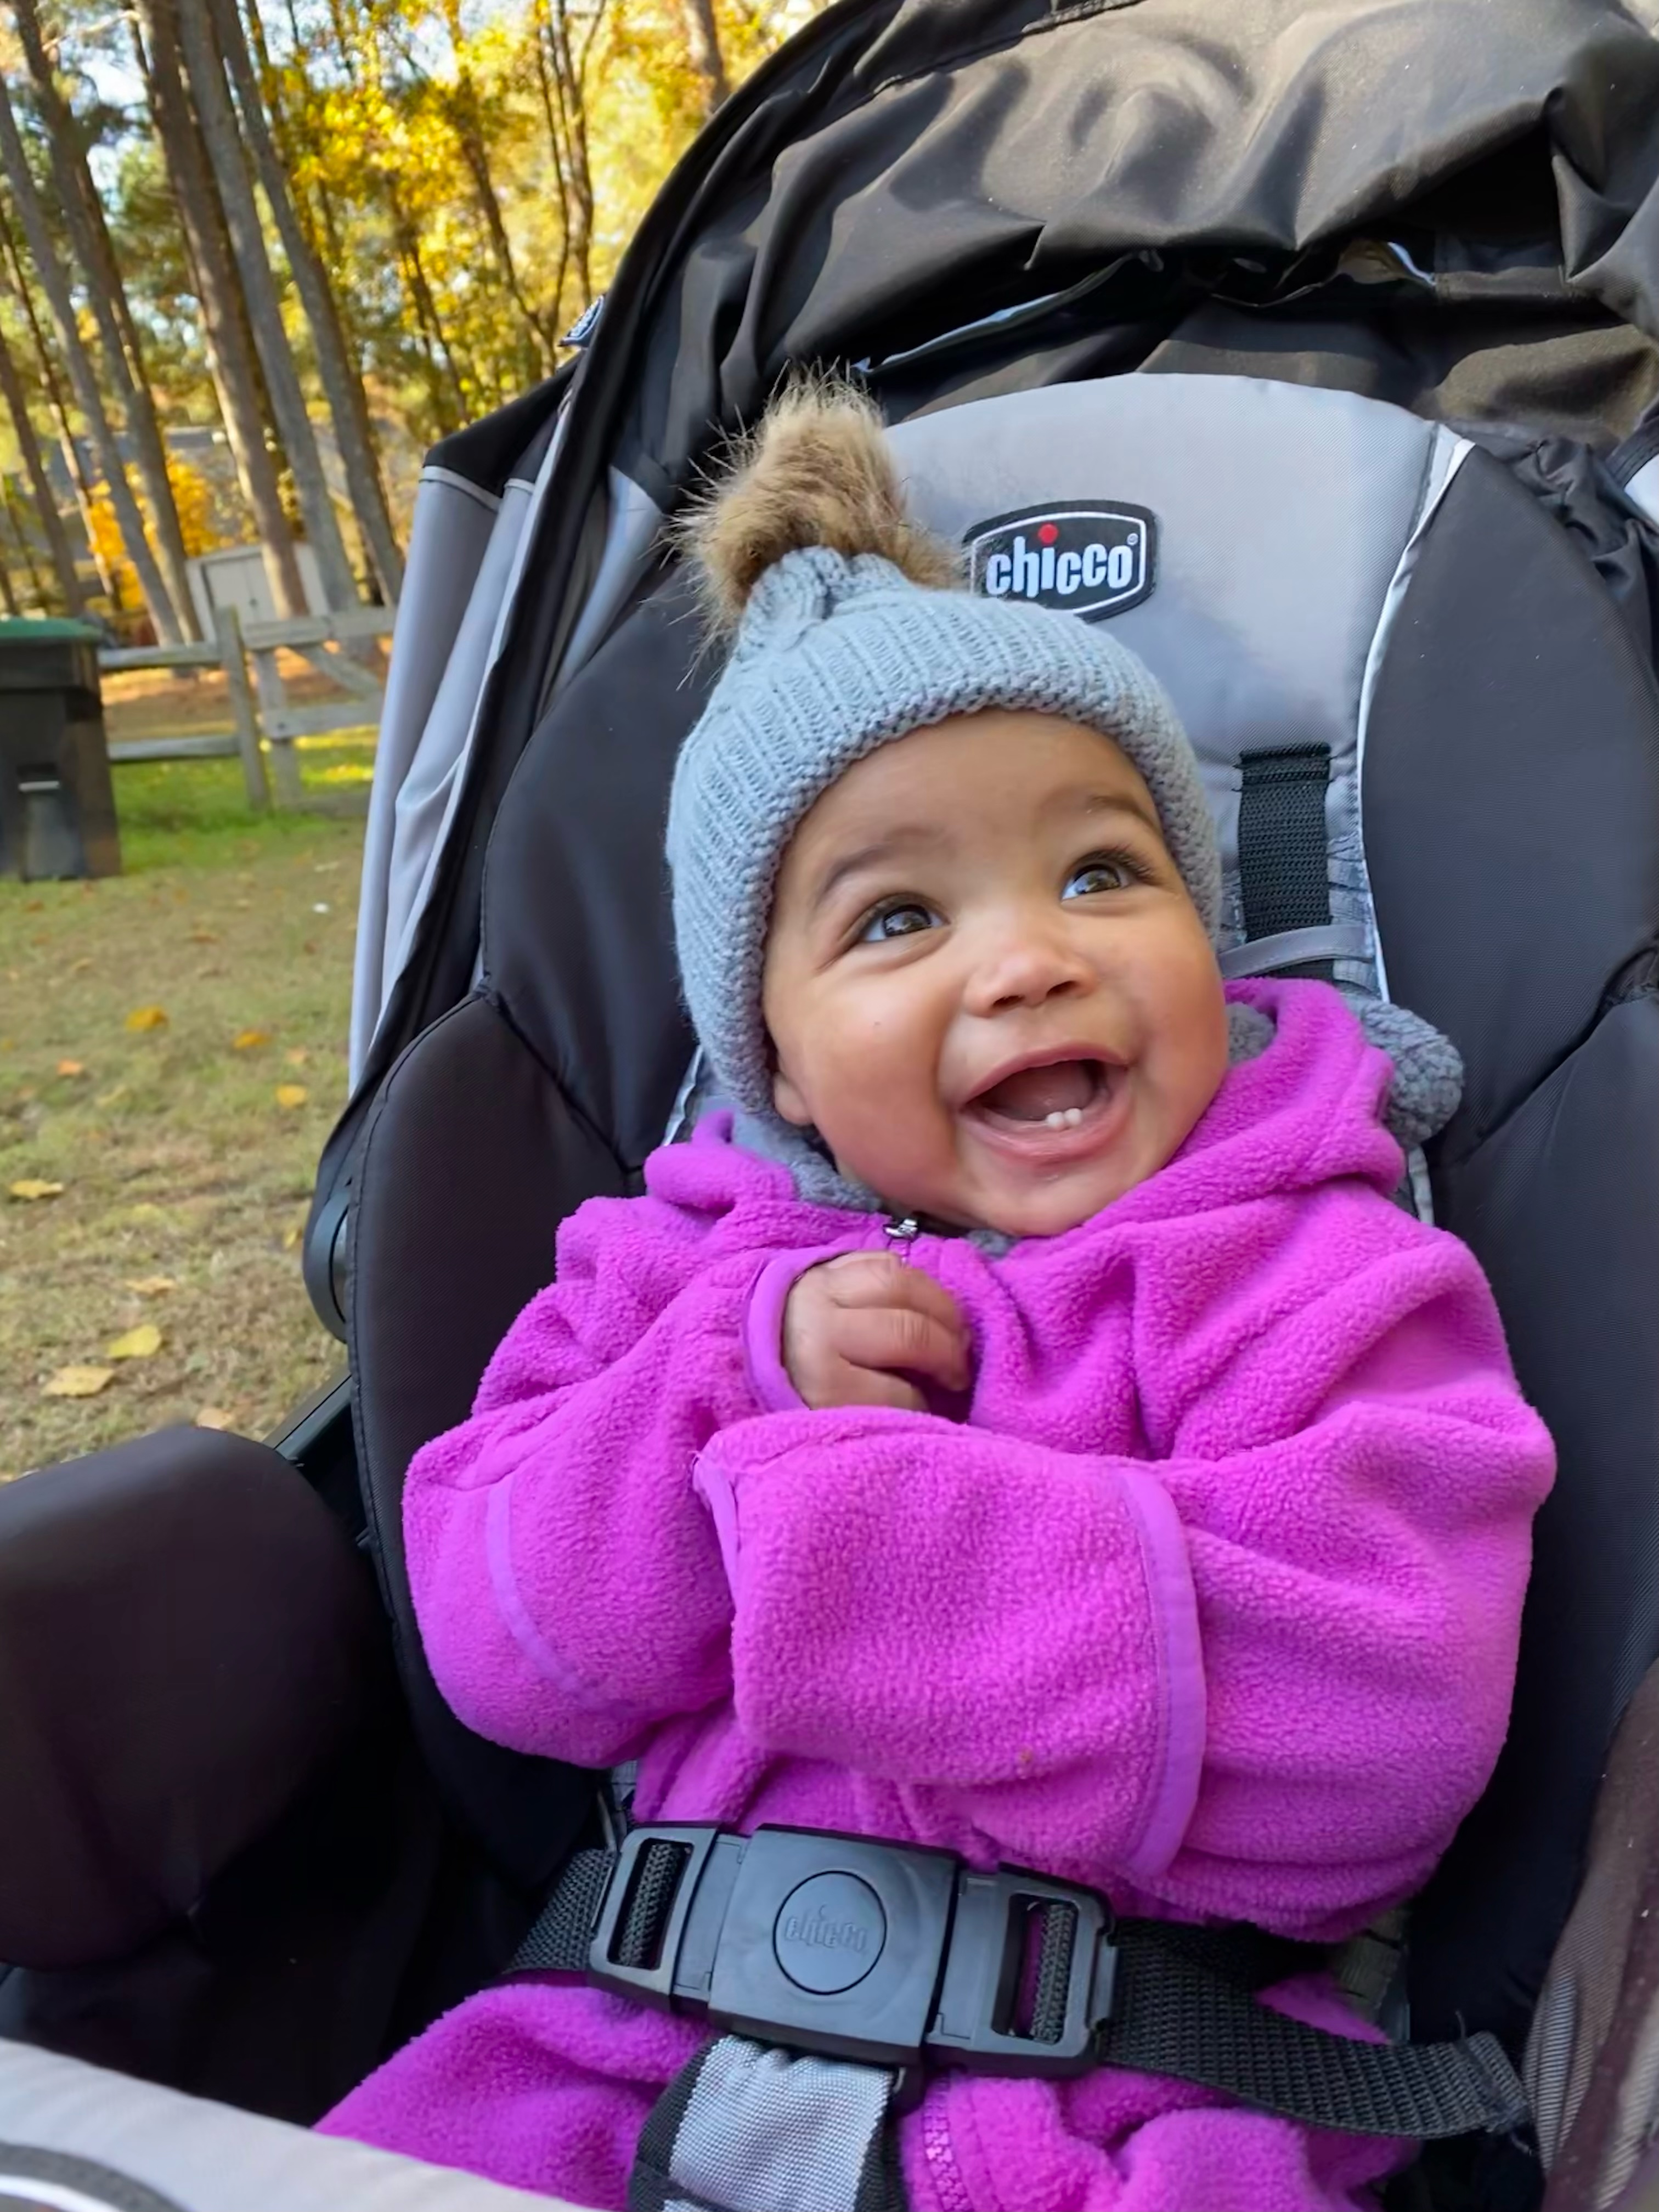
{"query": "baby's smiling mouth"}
{"type": "Point", "coordinates": [1060, 1095]}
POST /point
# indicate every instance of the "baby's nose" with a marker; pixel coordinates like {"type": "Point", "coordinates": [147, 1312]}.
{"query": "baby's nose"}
{"type": "Point", "coordinates": [1026, 967]}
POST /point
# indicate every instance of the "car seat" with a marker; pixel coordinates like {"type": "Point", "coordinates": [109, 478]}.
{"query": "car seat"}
{"type": "Point", "coordinates": [1432, 733]}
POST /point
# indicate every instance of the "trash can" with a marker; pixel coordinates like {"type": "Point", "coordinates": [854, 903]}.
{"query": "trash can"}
{"type": "Point", "coordinates": [57, 808]}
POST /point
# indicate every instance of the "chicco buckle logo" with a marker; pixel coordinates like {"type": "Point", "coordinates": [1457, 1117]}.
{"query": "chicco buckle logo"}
{"type": "Point", "coordinates": [829, 1932]}
{"type": "Point", "coordinates": [1091, 558]}
{"type": "Point", "coordinates": [820, 1933]}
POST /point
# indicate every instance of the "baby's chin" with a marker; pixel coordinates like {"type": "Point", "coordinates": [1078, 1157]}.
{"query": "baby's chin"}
{"type": "Point", "coordinates": [1043, 1212]}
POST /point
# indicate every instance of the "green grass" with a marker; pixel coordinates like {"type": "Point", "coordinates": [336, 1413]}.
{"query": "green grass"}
{"type": "Point", "coordinates": [194, 814]}
{"type": "Point", "coordinates": [177, 1157]}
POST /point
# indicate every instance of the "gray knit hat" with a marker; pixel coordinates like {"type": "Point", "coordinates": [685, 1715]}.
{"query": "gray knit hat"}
{"type": "Point", "coordinates": [849, 632]}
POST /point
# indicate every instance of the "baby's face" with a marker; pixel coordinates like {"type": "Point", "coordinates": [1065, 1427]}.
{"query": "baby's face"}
{"type": "Point", "coordinates": [986, 987]}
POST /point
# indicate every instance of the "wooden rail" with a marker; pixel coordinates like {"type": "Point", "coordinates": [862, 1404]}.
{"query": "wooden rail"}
{"type": "Point", "coordinates": [260, 711]}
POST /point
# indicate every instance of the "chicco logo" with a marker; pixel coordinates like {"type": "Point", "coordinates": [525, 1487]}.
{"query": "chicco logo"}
{"type": "Point", "coordinates": [1088, 559]}
{"type": "Point", "coordinates": [820, 1933]}
{"type": "Point", "coordinates": [829, 1932]}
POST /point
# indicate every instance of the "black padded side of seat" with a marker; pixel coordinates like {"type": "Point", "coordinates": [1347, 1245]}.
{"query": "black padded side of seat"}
{"type": "Point", "coordinates": [1511, 819]}
{"type": "Point", "coordinates": [1511, 794]}
{"type": "Point", "coordinates": [1562, 1204]}
{"type": "Point", "coordinates": [578, 942]}
{"type": "Point", "coordinates": [186, 1640]}
{"type": "Point", "coordinates": [470, 1161]}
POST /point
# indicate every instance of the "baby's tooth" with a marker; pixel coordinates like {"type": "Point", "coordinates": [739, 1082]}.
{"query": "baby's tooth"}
{"type": "Point", "coordinates": [1057, 1119]}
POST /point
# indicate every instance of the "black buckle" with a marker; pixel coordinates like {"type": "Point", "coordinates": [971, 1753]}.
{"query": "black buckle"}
{"type": "Point", "coordinates": [879, 1953]}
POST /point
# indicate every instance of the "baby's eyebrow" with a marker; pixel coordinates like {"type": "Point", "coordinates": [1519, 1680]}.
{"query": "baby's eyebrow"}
{"type": "Point", "coordinates": [1107, 802]}
{"type": "Point", "coordinates": [902, 838]}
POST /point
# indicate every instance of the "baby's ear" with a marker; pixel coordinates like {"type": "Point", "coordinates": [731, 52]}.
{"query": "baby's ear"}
{"type": "Point", "coordinates": [788, 1100]}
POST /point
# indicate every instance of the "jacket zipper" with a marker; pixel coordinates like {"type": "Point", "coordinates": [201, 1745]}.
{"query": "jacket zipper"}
{"type": "Point", "coordinates": [940, 2154]}
{"type": "Point", "coordinates": [902, 1230]}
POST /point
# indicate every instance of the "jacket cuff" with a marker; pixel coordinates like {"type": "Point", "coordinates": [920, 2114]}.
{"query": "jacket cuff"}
{"type": "Point", "coordinates": [762, 1326]}
{"type": "Point", "coordinates": [1172, 1794]}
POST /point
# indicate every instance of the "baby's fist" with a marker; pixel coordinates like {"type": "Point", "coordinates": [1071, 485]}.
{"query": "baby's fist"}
{"type": "Point", "coordinates": [857, 1328]}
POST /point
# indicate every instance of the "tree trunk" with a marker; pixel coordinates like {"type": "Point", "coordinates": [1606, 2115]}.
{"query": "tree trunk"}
{"type": "Point", "coordinates": [123, 365]}
{"type": "Point", "coordinates": [341, 385]}
{"type": "Point", "coordinates": [26, 552]}
{"type": "Point", "coordinates": [563, 68]}
{"type": "Point", "coordinates": [205, 69]}
{"type": "Point", "coordinates": [8, 596]}
{"type": "Point", "coordinates": [444, 369]}
{"type": "Point", "coordinates": [51, 523]}
{"type": "Point", "coordinates": [465, 119]}
{"type": "Point", "coordinates": [80, 482]}
{"type": "Point", "coordinates": [88, 396]}
{"type": "Point", "coordinates": [229, 357]}
{"type": "Point", "coordinates": [703, 44]}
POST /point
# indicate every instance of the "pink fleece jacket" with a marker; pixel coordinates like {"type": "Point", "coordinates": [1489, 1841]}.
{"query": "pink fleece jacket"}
{"type": "Point", "coordinates": [1208, 1596]}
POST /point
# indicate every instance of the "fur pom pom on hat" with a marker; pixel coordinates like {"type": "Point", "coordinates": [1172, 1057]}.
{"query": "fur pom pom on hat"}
{"type": "Point", "coordinates": [848, 628]}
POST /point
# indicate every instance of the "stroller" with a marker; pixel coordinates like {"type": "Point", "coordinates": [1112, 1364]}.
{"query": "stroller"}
{"type": "Point", "coordinates": [1316, 347]}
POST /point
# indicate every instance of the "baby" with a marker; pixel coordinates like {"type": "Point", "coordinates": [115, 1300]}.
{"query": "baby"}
{"type": "Point", "coordinates": [1019, 1421]}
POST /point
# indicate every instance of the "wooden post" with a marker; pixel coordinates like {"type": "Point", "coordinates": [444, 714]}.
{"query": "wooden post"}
{"type": "Point", "coordinates": [272, 694]}
{"type": "Point", "coordinates": [229, 631]}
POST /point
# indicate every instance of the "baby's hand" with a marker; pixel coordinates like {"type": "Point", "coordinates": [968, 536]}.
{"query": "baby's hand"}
{"type": "Point", "coordinates": [855, 1327]}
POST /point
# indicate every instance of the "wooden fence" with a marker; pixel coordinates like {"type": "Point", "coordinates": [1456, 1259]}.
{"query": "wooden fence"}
{"type": "Point", "coordinates": [261, 710]}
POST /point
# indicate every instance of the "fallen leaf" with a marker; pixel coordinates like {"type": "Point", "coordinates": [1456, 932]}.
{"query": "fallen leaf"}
{"type": "Point", "coordinates": [147, 1210]}
{"type": "Point", "coordinates": [147, 1017]}
{"type": "Point", "coordinates": [140, 1343]}
{"type": "Point", "coordinates": [111, 1097]}
{"type": "Point", "coordinates": [77, 1382]}
{"type": "Point", "coordinates": [296, 1055]}
{"type": "Point", "coordinates": [34, 906]}
{"type": "Point", "coordinates": [291, 1239]}
{"type": "Point", "coordinates": [151, 1286]}
{"type": "Point", "coordinates": [32, 1188]}
{"type": "Point", "coordinates": [71, 1067]}
{"type": "Point", "coordinates": [202, 936]}
{"type": "Point", "coordinates": [291, 1094]}
{"type": "Point", "coordinates": [214, 1417]}
{"type": "Point", "coordinates": [80, 967]}
{"type": "Point", "coordinates": [249, 1040]}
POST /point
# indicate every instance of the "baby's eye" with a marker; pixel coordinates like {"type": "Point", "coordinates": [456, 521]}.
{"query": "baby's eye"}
{"type": "Point", "coordinates": [1101, 873]}
{"type": "Point", "coordinates": [904, 918]}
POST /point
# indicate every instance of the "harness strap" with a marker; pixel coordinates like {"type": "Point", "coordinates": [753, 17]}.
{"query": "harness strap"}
{"type": "Point", "coordinates": [1177, 2016]}
{"type": "Point", "coordinates": [1182, 2003]}
{"type": "Point", "coordinates": [747, 2128]}
{"type": "Point", "coordinates": [1284, 866]}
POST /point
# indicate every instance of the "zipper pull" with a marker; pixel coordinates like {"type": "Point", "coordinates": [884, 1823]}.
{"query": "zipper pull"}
{"type": "Point", "coordinates": [902, 1231]}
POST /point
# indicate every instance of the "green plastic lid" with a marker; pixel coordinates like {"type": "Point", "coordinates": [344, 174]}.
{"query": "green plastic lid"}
{"type": "Point", "coordinates": [39, 629]}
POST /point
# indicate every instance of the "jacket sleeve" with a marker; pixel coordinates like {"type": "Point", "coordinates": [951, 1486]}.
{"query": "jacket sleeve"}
{"type": "Point", "coordinates": [1264, 1683]}
{"type": "Point", "coordinates": [565, 1578]}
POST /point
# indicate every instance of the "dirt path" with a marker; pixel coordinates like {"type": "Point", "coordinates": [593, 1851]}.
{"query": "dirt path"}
{"type": "Point", "coordinates": [185, 1145]}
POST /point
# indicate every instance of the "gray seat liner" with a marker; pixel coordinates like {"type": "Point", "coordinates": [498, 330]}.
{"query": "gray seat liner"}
{"type": "Point", "coordinates": [61, 2121]}
{"type": "Point", "coordinates": [1283, 521]}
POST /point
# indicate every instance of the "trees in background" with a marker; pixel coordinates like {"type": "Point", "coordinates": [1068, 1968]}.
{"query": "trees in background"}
{"type": "Point", "coordinates": [319, 234]}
